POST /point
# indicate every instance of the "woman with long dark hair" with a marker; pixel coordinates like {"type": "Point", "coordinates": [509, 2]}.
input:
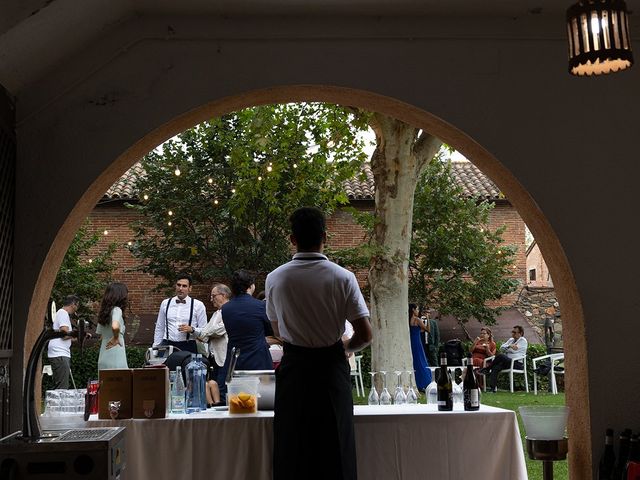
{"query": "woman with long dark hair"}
{"type": "Point", "coordinates": [111, 321]}
{"type": "Point", "coordinates": [420, 363]}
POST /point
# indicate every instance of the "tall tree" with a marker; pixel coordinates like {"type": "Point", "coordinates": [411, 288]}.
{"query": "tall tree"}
{"type": "Point", "coordinates": [217, 197]}
{"type": "Point", "coordinates": [85, 271]}
{"type": "Point", "coordinates": [402, 153]}
{"type": "Point", "coordinates": [457, 263]}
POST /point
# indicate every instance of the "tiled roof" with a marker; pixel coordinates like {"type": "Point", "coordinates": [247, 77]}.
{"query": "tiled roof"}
{"type": "Point", "coordinates": [473, 182]}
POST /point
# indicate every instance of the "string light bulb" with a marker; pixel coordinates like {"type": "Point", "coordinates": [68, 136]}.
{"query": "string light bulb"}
{"type": "Point", "coordinates": [295, 165]}
{"type": "Point", "coordinates": [169, 223]}
{"type": "Point", "coordinates": [129, 243]}
{"type": "Point", "coordinates": [170, 212]}
{"type": "Point", "coordinates": [177, 172]}
{"type": "Point", "coordinates": [215, 201]}
{"type": "Point", "coordinates": [233, 190]}
{"type": "Point", "coordinates": [210, 181]}
{"type": "Point", "coordinates": [146, 197]}
{"type": "Point", "coordinates": [106, 232]}
{"type": "Point", "coordinates": [259, 178]}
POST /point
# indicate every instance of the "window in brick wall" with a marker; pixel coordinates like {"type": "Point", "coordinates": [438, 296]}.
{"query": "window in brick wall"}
{"type": "Point", "coordinates": [532, 275]}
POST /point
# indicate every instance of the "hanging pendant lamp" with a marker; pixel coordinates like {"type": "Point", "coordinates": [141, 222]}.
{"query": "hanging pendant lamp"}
{"type": "Point", "coordinates": [599, 39]}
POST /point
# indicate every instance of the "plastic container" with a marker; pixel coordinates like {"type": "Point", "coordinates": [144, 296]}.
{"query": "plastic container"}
{"type": "Point", "coordinates": [242, 395]}
{"type": "Point", "coordinates": [266, 388]}
{"type": "Point", "coordinates": [544, 422]}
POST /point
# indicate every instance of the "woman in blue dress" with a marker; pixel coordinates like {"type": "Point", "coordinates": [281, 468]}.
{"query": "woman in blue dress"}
{"type": "Point", "coordinates": [420, 363]}
{"type": "Point", "coordinates": [111, 327]}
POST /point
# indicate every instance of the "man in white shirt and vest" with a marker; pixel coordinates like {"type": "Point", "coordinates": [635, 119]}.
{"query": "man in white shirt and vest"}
{"type": "Point", "coordinates": [59, 349]}
{"type": "Point", "coordinates": [179, 316]}
{"type": "Point", "coordinates": [308, 301]}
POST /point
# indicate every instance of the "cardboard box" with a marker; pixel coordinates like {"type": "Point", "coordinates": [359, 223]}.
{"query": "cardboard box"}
{"type": "Point", "coordinates": [150, 392]}
{"type": "Point", "coordinates": [115, 385]}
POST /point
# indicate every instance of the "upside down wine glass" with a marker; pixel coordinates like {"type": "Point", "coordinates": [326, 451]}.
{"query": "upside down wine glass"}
{"type": "Point", "coordinates": [412, 396]}
{"type": "Point", "coordinates": [399, 397]}
{"type": "Point", "coordinates": [385, 396]}
{"type": "Point", "coordinates": [374, 399]}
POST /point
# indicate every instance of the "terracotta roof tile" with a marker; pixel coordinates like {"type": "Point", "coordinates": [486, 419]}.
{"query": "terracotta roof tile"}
{"type": "Point", "coordinates": [473, 182]}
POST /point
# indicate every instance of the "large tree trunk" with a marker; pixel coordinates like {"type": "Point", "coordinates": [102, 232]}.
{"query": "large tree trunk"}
{"type": "Point", "coordinates": [401, 155]}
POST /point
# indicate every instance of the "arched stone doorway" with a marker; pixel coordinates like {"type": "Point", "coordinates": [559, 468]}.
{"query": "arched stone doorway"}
{"type": "Point", "coordinates": [575, 344]}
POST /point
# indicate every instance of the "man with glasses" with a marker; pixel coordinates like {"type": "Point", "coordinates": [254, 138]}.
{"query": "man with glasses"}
{"type": "Point", "coordinates": [516, 346]}
{"type": "Point", "coordinates": [215, 334]}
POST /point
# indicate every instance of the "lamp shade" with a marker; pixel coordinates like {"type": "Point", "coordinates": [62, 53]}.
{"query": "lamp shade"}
{"type": "Point", "coordinates": [599, 39]}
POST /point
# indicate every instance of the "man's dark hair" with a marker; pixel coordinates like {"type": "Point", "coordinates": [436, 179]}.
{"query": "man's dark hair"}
{"type": "Point", "coordinates": [520, 329]}
{"type": "Point", "coordinates": [241, 281]}
{"type": "Point", "coordinates": [184, 276]}
{"type": "Point", "coordinates": [308, 226]}
{"type": "Point", "coordinates": [70, 300]}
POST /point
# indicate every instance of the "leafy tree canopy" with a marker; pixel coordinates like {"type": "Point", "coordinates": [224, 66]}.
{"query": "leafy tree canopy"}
{"type": "Point", "coordinates": [457, 263]}
{"type": "Point", "coordinates": [217, 197]}
{"type": "Point", "coordinates": [85, 271]}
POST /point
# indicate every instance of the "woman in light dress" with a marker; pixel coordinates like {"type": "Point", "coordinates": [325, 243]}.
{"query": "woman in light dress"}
{"type": "Point", "coordinates": [111, 327]}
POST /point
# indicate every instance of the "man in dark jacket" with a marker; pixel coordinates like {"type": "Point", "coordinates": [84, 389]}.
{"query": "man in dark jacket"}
{"type": "Point", "coordinates": [245, 320]}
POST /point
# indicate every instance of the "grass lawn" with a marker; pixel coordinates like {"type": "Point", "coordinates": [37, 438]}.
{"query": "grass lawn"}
{"type": "Point", "coordinates": [511, 401]}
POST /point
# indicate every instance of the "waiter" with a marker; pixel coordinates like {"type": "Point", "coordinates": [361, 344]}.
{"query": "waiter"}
{"type": "Point", "coordinates": [179, 317]}
{"type": "Point", "coordinates": [308, 301]}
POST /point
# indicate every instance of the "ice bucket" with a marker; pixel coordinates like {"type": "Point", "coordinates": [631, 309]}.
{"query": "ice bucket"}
{"type": "Point", "coordinates": [544, 422]}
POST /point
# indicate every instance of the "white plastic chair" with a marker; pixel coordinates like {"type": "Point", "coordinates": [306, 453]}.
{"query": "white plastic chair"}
{"type": "Point", "coordinates": [357, 373]}
{"type": "Point", "coordinates": [511, 370]}
{"type": "Point", "coordinates": [554, 359]}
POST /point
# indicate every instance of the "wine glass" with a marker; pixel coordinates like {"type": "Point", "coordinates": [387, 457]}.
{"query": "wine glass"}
{"type": "Point", "coordinates": [385, 396]}
{"type": "Point", "coordinates": [374, 399]}
{"type": "Point", "coordinates": [399, 397]}
{"type": "Point", "coordinates": [412, 395]}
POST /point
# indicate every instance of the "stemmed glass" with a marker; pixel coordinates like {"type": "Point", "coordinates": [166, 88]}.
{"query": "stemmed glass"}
{"type": "Point", "coordinates": [412, 395]}
{"type": "Point", "coordinates": [399, 397]}
{"type": "Point", "coordinates": [385, 396]}
{"type": "Point", "coordinates": [374, 399]}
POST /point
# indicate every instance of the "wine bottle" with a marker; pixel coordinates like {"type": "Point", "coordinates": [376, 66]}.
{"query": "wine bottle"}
{"type": "Point", "coordinates": [632, 468]}
{"type": "Point", "coordinates": [470, 390]}
{"type": "Point", "coordinates": [608, 459]}
{"type": "Point", "coordinates": [623, 455]}
{"type": "Point", "coordinates": [445, 387]}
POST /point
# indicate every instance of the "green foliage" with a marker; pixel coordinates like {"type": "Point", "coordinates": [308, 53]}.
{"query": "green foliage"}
{"type": "Point", "coordinates": [457, 263]}
{"type": "Point", "coordinates": [241, 175]}
{"type": "Point", "coordinates": [85, 270]}
{"type": "Point", "coordinates": [85, 367]}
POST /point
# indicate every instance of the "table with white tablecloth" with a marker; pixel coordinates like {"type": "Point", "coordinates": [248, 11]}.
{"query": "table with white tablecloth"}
{"type": "Point", "coordinates": [402, 442]}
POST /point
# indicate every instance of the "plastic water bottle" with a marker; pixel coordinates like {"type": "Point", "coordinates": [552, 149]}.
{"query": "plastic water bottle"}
{"type": "Point", "coordinates": [203, 381]}
{"type": "Point", "coordinates": [178, 393]}
{"type": "Point", "coordinates": [194, 386]}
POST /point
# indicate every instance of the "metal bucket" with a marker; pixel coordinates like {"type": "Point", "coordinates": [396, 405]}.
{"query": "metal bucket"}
{"type": "Point", "coordinates": [266, 387]}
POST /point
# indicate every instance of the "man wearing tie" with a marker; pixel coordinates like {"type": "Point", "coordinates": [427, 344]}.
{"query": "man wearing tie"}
{"type": "Point", "coordinates": [178, 318]}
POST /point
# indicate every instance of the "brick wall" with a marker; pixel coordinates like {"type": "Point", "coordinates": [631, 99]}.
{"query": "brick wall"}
{"type": "Point", "coordinates": [537, 263]}
{"type": "Point", "coordinates": [115, 218]}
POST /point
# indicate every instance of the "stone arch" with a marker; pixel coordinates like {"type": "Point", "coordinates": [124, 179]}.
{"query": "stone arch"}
{"type": "Point", "coordinates": [573, 319]}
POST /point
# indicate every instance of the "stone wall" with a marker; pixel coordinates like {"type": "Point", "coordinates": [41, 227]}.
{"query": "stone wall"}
{"type": "Point", "coordinates": [540, 307]}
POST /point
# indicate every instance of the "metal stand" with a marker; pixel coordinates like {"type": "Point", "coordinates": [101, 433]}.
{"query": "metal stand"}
{"type": "Point", "coordinates": [548, 451]}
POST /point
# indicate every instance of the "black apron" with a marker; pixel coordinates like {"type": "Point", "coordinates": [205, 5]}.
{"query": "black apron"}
{"type": "Point", "coordinates": [313, 421]}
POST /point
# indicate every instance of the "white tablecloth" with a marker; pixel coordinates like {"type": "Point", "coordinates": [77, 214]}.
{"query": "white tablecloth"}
{"type": "Point", "coordinates": [393, 443]}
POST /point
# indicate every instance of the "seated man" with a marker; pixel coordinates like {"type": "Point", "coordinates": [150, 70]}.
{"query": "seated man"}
{"type": "Point", "coordinates": [516, 346]}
